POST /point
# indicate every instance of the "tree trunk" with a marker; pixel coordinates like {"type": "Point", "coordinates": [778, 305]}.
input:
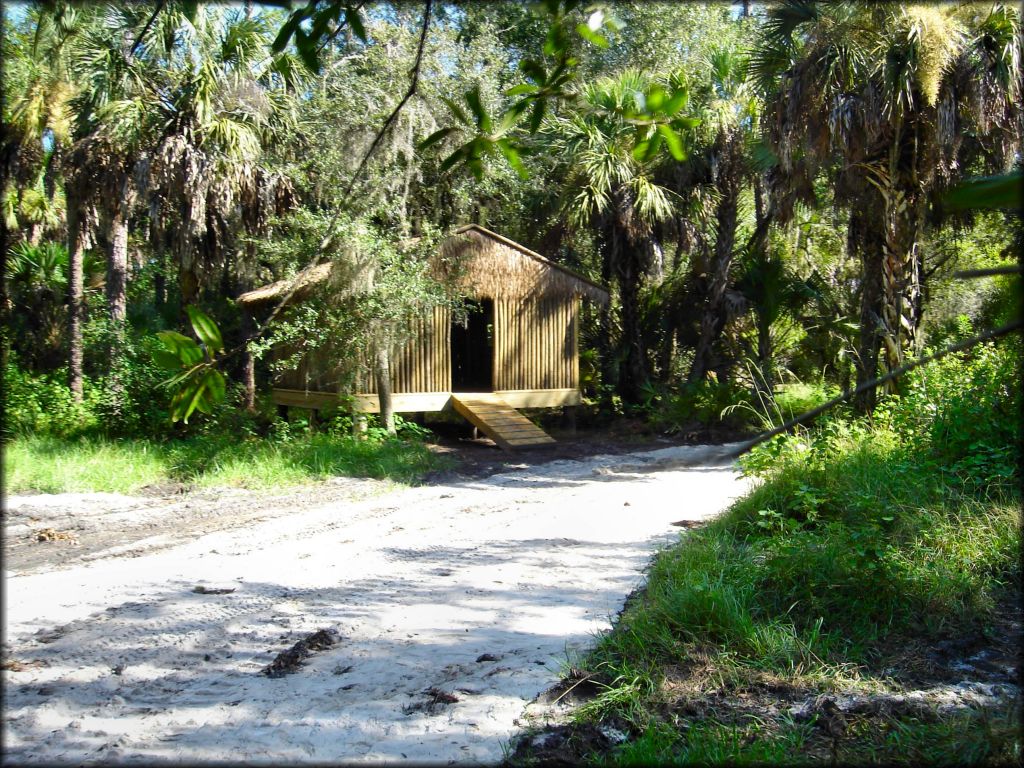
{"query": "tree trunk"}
{"type": "Point", "coordinates": [117, 273]}
{"type": "Point", "coordinates": [248, 362]}
{"type": "Point", "coordinates": [609, 373]}
{"type": "Point", "coordinates": [869, 241]}
{"type": "Point", "coordinates": [629, 269]}
{"type": "Point", "coordinates": [160, 285]}
{"type": "Point", "coordinates": [713, 318]}
{"type": "Point", "coordinates": [382, 373]}
{"type": "Point", "coordinates": [901, 266]}
{"type": "Point", "coordinates": [76, 292]}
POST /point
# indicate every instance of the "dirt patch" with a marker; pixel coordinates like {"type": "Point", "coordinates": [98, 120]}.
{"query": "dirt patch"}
{"type": "Point", "coordinates": [291, 660]}
{"type": "Point", "coordinates": [565, 745]}
{"type": "Point", "coordinates": [437, 699]}
{"type": "Point", "coordinates": [480, 457]}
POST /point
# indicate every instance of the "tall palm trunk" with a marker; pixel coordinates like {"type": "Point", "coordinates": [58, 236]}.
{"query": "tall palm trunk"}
{"type": "Point", "coordinates": [117, 289]}
{"type": "Point", "coordinates": [713, 318]}
{"type": "Point", "coordinates": [869, 241]}
{"type": "Point", "coordinates": [608, 246]}
{"type": "Point", "coordinates": [117, 273]}
{"type": "Point", "coordinates": [76, 292]}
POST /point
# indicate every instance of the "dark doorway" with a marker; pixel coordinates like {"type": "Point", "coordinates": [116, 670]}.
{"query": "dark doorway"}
{"type": "Point", "coordinates": [473, 349]}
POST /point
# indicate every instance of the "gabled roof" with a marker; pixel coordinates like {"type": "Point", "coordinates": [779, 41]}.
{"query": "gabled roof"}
{"type": "Point", "coordinates": [482, 263]}
{"type": "Point", "coordinates": [542, 276]}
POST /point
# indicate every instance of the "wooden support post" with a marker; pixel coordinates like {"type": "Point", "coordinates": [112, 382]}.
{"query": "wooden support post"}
{"type": "Point", "coordinates": [282, 412]}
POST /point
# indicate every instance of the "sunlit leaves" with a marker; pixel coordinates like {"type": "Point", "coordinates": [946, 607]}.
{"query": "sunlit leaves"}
{"type": "Point", "coordinates": [196, 383]}
{"type": "Point", "coordinates": [313, 25]}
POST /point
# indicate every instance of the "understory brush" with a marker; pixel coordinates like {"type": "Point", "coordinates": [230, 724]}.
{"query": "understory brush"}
{"type": "Point", "coordinates": [866, 543]}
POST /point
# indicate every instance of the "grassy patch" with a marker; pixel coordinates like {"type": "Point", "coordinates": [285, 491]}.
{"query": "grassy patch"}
{"type": "Point", "coordinates": [53, 465]}
{"type": "Point", "coordinates": [866, 547]}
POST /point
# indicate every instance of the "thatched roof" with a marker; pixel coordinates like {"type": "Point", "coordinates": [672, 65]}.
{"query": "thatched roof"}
{"type": "Point", "coordinates": [486, 265]}
{"type": "Point", "coordinates": [482, 264]}
{"type": "Point", "coordinates": [303, 282]}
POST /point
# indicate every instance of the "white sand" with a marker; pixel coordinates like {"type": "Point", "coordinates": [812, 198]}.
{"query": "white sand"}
{"type": "Point", "coordinates": [123, 661]}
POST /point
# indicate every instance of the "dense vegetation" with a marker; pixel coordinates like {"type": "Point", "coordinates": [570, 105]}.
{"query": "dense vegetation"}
{"type": "Point", "coordinates": [769, 191]}
{"type": "Point", "coordinates": [864, 547]}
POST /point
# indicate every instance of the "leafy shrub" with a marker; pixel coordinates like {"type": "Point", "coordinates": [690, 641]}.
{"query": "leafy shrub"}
{"type": "Point", "coordinates": [708, 403]}
{"type": "Point", "coordinates": [43, 404]}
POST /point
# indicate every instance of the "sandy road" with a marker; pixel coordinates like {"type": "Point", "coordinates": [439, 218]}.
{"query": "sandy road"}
{"type": "Point", "coordinates": [454, 606]}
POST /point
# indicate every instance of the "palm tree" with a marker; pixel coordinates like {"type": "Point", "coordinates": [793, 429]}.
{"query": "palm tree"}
{"type": "Point", "coordinates": [730, 112]}
{"type": "Point", "coordinates": [114, 115]}
{"type": "Point", "coordinates": [223, 97]}
{"type": "Point", "coordinates": [617, 197]}
{"type": "Point", "coordinates": [41, 114]}
{"type": "Point", "coordinates": [902, 100]}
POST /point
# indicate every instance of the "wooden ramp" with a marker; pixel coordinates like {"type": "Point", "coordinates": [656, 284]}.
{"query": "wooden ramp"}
{"type": "Point", "coordinates": [499, 421]}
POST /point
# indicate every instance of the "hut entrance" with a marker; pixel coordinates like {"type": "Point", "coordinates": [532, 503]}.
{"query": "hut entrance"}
{"type": "Point", "coordinates": [473, 349]}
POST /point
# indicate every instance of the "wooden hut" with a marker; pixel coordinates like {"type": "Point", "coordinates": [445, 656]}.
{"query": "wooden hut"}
{"type": "Point", "coordinates": [517, 347]}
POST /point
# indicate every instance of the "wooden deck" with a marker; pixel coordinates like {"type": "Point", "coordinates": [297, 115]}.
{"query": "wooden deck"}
{"type": "Point", "coordinates": [499, 421]}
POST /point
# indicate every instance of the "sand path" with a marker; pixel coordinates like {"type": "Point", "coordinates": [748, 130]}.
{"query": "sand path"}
{"type": "Point", "coordinates": [454, 606]}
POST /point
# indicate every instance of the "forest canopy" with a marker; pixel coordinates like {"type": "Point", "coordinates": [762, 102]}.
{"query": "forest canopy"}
{"type": "Point", "coordinates": [765, 188]}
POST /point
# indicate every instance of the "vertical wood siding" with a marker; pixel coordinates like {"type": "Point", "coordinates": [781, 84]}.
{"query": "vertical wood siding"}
{"type": "Point", "coordinates": [535, 344]}
{"type": "Point", "coordinates": [423, 363]}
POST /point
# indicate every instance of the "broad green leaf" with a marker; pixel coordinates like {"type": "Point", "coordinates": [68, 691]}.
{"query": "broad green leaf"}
{"type": "Point", "coordinates": [685, 123]}
{"type": "Point", "coordinates": [435, 137]}
{"type": "Point", "coordinates": [205, 329]}
{"type": "Point", "coordinates": [197, 390]}
{"type": "Point", "coordinates": [521, 89]}
{"type": "Point", "coordinates": [454, 158]}
{"type": "Point", "coordinates": [653, 147]}
{"type": "Point", "coordinates": [166, 360]}
{"type": "Point", "coordinates": [640, 150]}
{"type": "Point", "coordinates": [456, 110]}
{"type": "Point", "coordinates": [355, 21]}
{"type": "Point", "coordinates": [534, 70]}
{"type": "Point", "coordinates": [655, 98]}
{"type": "Point", "coordinates": [512, 156]}
{"type": "Point", "coordinates": [512, 115]}
{"type": "Point", "coordinates": [307, 50]}
{"type": "Point", "coordinates": [591, 36]}
{"type": "Point", "coordinates": [677, 101]}
{"type": "Point", "coordinates": [216, 385]}
{"type": "Point", "coordinates": [182, 346]}
{"type": "Point", "coordinates": [538, 115]}
{"type": "Point", "coordinates": [675, 145]}
{"type": "Point", "coordinates": [483, 120]}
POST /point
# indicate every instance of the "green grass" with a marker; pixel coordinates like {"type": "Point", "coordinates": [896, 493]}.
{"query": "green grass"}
{"type": "Point", "coordinates": [54, 465]}
{"type": "Point", "coordinates": [862, 547]}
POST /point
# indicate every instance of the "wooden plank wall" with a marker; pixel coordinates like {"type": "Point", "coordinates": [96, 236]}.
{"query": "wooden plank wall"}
{"type": "Point", "coordinates": [535, 347]}
{"type": "Point", "coordinates": [424, 363]}
{"type": "Point", "coordinates": [535, 344]}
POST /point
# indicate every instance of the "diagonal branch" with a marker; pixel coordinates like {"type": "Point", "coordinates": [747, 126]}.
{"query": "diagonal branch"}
{"type": "Point", "coordinates": [138, 40]}
{"type": "Point", "coordinates": [867, 385]}
{"type": "Point", "coordinates": [297, 281]}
